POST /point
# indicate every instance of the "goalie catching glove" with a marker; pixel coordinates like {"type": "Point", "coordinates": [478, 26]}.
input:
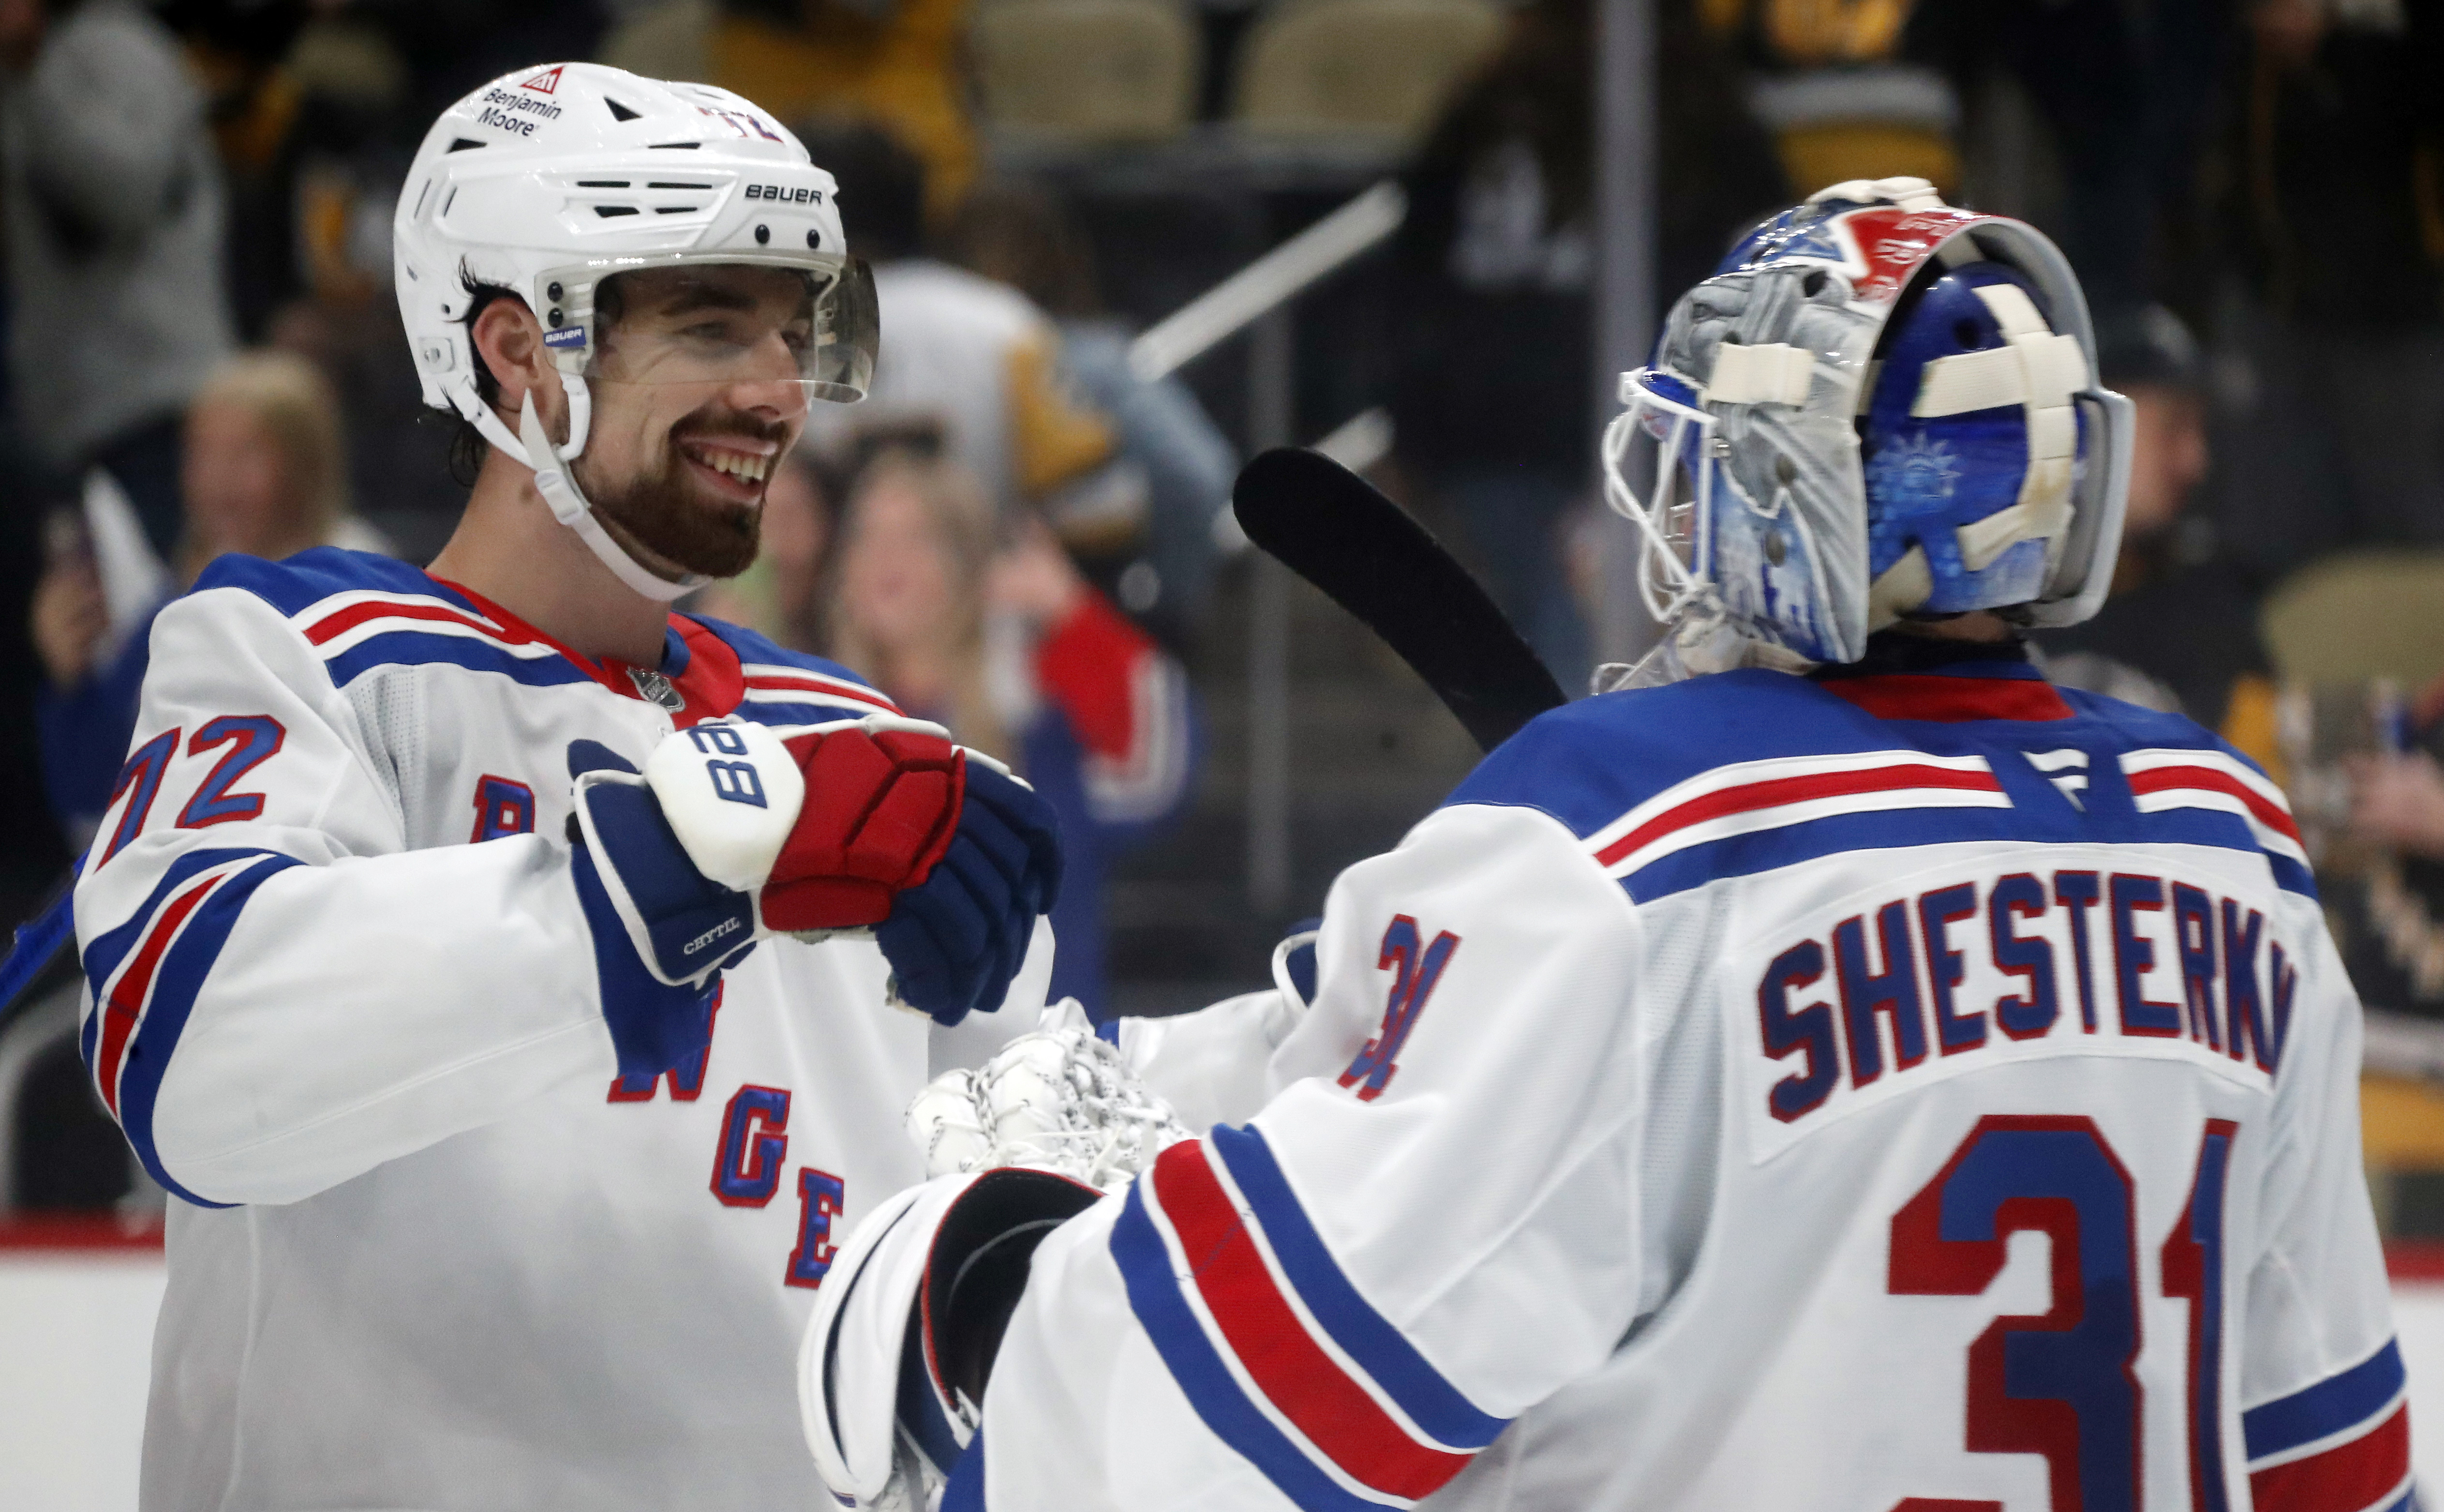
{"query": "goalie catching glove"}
{"type": "Point", "coordinates": [734, 833]}
{"type": "Point", "coordinates": [892, 1374]}
{"type": "Point", "coordinates": [1058, 1099]}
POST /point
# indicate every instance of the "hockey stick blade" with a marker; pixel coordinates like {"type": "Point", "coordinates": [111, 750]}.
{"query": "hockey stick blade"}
{"type": "Point", "coordinates": [1333, 528]}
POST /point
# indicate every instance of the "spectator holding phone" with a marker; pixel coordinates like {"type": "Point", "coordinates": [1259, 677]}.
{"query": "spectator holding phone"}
{"type": "Point", "coordinates": [263, 470]}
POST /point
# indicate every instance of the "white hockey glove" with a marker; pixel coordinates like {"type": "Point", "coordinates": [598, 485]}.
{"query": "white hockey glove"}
{"type": "Point", "coordinates": [1058, 1099]}
{"type": "Point", "coordinates": [901, 1347]}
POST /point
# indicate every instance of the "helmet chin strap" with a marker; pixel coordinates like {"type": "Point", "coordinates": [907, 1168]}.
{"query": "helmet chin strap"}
{"type": "Point", "coordinates": [555, 481]}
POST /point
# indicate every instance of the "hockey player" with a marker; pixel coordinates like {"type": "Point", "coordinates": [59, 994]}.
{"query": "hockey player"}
{"type": "Point", "coordinates": [1839, 1070]}
{"type": "Point", "coordinates": [505, 1170]}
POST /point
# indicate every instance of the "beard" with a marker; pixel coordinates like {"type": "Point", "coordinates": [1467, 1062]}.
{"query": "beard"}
{"type": "Point", "coordinates": [662, 512]}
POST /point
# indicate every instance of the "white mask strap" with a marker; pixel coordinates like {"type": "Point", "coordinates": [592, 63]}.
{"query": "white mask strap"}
{"type": "Point", "coordinates": [559, 488]}
{"type": "Point", "coordinates": [568, 505]}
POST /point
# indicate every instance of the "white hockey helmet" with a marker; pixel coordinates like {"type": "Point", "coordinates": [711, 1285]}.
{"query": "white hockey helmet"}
{"type": "Point", "coordinates": [548, 181]}
{"type": "Point", "coordinates": [1879, 406]}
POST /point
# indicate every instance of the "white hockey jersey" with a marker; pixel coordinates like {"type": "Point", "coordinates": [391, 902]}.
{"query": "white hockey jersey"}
{"type": "Point", "coordinates": [1901, 1093]}
{"type": "Point", "coordinates": [434, 1252]}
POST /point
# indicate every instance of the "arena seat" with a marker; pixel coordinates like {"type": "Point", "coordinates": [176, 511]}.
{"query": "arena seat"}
{"type": "Point", "coordinates": [1085, 70]}
{"type": "Point", "coordinates": [1317, 67]}
{"type": "Point", "coordinates": [2359, 615]}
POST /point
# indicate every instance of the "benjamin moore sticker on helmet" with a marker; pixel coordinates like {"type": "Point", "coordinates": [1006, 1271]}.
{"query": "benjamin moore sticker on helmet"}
{"type": "Point", "coordinates": [568, 339]}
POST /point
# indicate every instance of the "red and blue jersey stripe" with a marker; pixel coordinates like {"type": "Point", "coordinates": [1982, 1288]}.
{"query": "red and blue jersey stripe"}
{"type": "Point", "coordinates": [2342, 1445]}
{"type": "Point", "coordinates": [364, 613]}
{"type": "Point", "coordinates": [1278, 1353]}
{"type": "Point", "coordinates": [1746, 772]}
{"type": "Point", "coordinates": [145, 975]}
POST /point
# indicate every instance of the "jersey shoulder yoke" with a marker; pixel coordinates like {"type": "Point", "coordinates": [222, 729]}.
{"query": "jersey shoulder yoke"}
{"type": "Point", "coordinates": [1746, 771]}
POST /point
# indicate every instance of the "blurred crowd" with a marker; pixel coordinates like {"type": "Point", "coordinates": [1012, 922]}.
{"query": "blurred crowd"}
{"type": "Point", "coordinates": [1017, 534]}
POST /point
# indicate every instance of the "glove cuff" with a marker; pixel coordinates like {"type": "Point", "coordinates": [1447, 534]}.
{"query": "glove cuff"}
{"type": "Point", "coordinates": [654, 1025]}
{"type": "Point", "coordinates": [682, 925]}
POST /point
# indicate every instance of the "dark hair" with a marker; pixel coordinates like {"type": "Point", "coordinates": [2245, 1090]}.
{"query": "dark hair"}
{"type": "Point", "coordinates": [468, 445]}
{"type": "Point", "coordinates": [882, 186]}
{"type": "Point", "coordinates": [2147, 344]}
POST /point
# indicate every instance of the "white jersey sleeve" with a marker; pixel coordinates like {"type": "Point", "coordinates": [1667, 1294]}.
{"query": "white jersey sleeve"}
{"type": "Point", "coordinates": [1214, 1065]}
{"type": "Point", "coordinates": [2325, 1420]}
{"type": "Point", "coordinates": [1342, 1302]}
{"type": "Point", "coordinates": [282, 994]}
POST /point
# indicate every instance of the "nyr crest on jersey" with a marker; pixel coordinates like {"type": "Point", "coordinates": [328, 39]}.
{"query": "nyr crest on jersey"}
{"type": "Point", "coordinates": [1877, 1000]}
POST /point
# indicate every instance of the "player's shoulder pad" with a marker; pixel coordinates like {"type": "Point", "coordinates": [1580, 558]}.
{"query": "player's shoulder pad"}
{"type": "Point", "coordinates": [307, 579]}
{"type": "Point", "coordinates": [360, 613]}
{"type": "Point", "coordinates": [779, 680]}
{"type": "Point", "coordinates": [2152, 727]}
{"type": "Point", "coordinates": [2169, 760]}
{"type": "Point", "coordinates": [1587, 764]}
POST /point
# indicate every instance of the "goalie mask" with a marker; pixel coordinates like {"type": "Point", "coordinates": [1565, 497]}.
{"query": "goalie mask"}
{"type": "Point", "coordinates": [553, 181]}
{"type": "Point", "coordinates": [1880, 407]}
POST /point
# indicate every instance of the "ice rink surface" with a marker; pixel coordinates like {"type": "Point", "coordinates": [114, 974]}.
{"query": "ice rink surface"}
{"type": "Point", "coordinates": [76, 1331]}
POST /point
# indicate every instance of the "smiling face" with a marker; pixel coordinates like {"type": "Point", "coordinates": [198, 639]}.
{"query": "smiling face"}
{"type": "Point", "coordinates": [696, 393]}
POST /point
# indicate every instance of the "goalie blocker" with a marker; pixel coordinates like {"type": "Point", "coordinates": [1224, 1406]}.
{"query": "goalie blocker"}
{"type": "Point", "coordinates": [893, 1371]}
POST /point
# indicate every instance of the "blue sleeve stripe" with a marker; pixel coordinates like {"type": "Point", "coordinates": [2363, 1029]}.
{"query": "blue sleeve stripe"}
{"type": "Point", "coordinates": [1155, 1297]}
{"type": "Point", "coordinates": [183, 969]}
{"type": "Point", "coordinates": [416, 648]}
{"type": "Point", "coordinates": [2291, 876]}
{"type": "Point", "coordinates": [103, 957]}
{"type": "Point", "coordinates": [1364, 1335]}
{"type": "Point", "coordinates": [2332, 1405]}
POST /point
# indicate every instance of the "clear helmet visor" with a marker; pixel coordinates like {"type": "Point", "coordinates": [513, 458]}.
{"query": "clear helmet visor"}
{"type": "Point", "coordinates": [718, 321]}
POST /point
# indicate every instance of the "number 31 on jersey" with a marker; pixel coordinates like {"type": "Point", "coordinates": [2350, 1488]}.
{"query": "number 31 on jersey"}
{"type": "Point", "coordinates": [2063, 1383]}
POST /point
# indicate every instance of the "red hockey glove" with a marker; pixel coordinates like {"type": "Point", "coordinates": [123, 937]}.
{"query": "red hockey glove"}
{"type": "Point", "coordinates": [880, 807]}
